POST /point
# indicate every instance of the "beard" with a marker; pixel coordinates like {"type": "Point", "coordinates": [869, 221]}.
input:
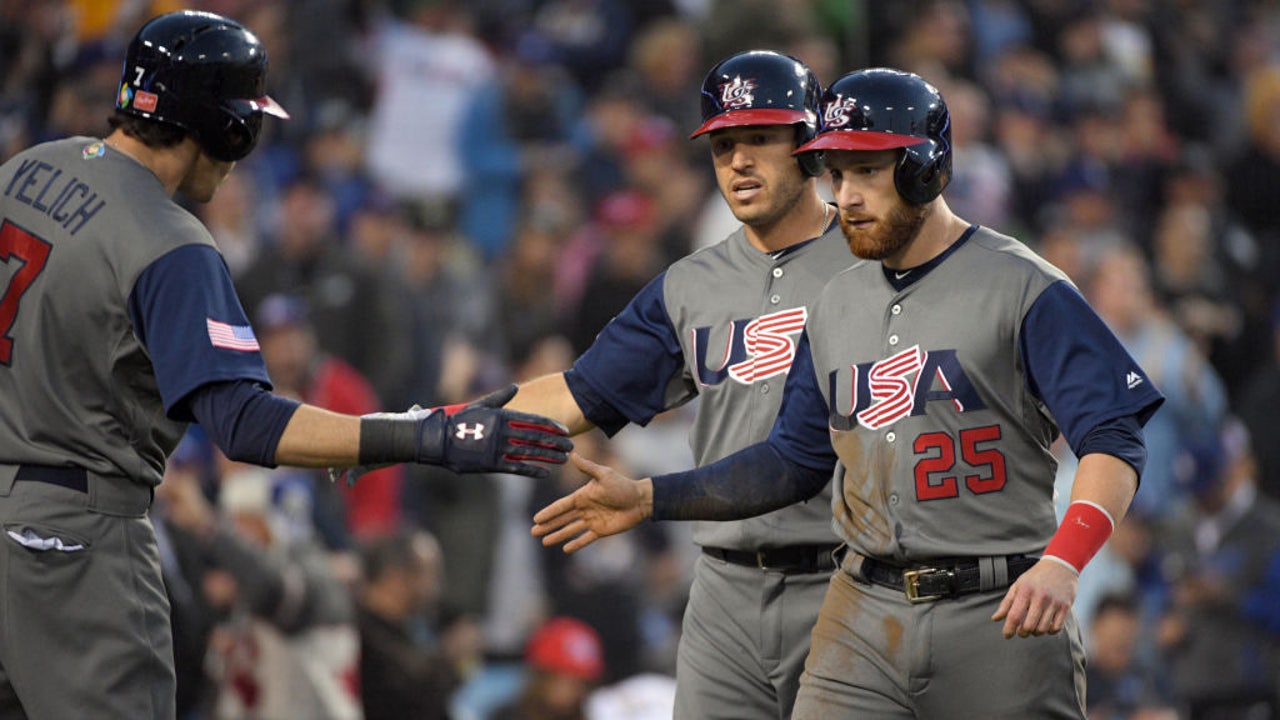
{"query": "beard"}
{"type": "Point", "coordinates": [885, 238]}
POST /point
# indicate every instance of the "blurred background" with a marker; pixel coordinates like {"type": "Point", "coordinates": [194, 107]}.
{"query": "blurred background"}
{"type": "Point", "coordinates": [468, 191]}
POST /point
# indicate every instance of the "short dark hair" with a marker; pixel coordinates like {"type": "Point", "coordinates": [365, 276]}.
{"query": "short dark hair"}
{"type": "Point", "coordinates": [151, 133]}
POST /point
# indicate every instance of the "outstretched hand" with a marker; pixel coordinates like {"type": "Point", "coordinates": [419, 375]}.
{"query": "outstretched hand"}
{"type": "Point", "coordinates": [609, 503]}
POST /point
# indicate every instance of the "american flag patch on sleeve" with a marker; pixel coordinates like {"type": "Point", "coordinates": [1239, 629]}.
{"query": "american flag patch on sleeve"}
{"type": "Point", "coordinates": [231, 337]}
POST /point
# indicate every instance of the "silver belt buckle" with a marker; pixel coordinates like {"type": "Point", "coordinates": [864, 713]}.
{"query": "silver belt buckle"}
{"type": "Point", "coordinates": [911, 583]}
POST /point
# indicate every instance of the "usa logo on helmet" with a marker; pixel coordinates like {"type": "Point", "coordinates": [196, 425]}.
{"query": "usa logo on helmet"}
{"type": "Point", "coordinates": [736, 94]}
{"type": "Point", "coordinates": [838, 112]}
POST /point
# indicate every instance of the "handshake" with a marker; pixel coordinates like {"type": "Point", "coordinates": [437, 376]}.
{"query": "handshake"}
{"type": "Point", "coordinates": [481, 437]}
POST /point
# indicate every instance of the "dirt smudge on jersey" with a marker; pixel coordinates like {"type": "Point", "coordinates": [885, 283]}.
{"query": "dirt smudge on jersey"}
{"type": "Point", "coordinates": [861, 511]}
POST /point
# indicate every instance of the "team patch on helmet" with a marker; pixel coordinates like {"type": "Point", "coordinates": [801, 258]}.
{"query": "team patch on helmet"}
{"type": "Point", "coordinates": [736, 93]}
{"type": "Point", "coordinates": [839, 112]}
{"type": "Point", "coordinates": [93, 150]}
{"type": "Point", "coordinates": [145, 101]}
{"type": "Point", "coordinates": [125, 96]}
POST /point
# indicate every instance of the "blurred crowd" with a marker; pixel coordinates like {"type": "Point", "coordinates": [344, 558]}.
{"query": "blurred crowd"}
{"type": "Point", "coordinates": [468, 190]}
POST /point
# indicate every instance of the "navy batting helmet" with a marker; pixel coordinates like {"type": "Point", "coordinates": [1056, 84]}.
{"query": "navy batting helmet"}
{"type": "Point", "coordinates": [204, 73]}
{"type": "Point", "coordinates": [762, 87]}
{"type": "Point", "coordinates": [882, 109]}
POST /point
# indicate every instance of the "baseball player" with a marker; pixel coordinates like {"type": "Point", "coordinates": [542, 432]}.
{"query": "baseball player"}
{"type": "Point", "coordinates": [938, 371]}
{"type": "Point", "coordinates": [721, 325]}
{"type": "Point", "coordinates": [119, 325]}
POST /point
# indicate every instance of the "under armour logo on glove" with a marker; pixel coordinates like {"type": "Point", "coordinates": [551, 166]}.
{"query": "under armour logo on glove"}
{"type": "Point", "coordinates": [484, 437]}
{"type": "Point", "coordinates": [481, 437]}
{"type": "Point", "coordinates": [476, 433]}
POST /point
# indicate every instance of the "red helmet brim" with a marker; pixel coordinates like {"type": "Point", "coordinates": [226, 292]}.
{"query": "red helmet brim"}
{"type": "Point", "coordinates": [859, 140]}
{"type": "Point", "coordinates": [755, 116]}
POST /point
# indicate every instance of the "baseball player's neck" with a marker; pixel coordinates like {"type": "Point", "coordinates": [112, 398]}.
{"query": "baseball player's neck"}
{"type": "Point", "coordinates": [941, 228]}
{"type": "Point", "coordinates": [169, 164]}
{"type": "Point", "coordinates": [807, 220]}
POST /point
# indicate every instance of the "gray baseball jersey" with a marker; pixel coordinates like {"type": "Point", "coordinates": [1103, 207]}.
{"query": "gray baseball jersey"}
{"type": "Point", "coordinates": [88, 370]}
{"type": "Point", "coordinates": [940, 395]}
{"type": "Point", "coordinates": [721, 325]}
{"type": "Point", "coordinates": [941, 427]}
{"type": "Point", "coordinates": [114, 305]}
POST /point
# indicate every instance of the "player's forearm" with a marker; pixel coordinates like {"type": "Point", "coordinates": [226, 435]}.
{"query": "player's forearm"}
{"type": "Point", "coordinates": [1103, 488]}
{"type": "Point", "coordinates": [319, 438]}
{"type": "Point", "coordinates": [751, 482]}
{"type": "Point", "coordinates": [550, 396]}
{"type": "Point", "coordinates": [1107, 482]}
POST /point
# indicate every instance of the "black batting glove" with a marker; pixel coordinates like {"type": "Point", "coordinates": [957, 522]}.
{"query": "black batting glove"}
{"type": "Point", "coordinates": [480, 437]}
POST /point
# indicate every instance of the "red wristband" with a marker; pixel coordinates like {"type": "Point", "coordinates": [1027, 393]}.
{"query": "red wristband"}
{"type": "Point", "coordinates": [1084, 530]}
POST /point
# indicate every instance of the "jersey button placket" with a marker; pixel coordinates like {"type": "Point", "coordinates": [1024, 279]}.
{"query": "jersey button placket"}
{"type": "Point", "coordinates": [894, 310]}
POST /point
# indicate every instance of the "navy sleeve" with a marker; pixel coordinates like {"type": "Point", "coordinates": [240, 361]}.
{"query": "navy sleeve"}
{"type": "Point", "coordinates": [1121, 438]}
{"type": "Point", "coordinates": [186, 314]}
{"type": "Point", "coordinates": [1079, 369]}
{"type": "Point", "coordinates": [242, 418]}
{"type": "Point", "coordinates": [802, 432]}
{"type": "Point", "coordinates": [753, 481]}
{"type": "Point", "coordinates": [594, 407]}
{"type": "Point", "coordinates": [627, 370]}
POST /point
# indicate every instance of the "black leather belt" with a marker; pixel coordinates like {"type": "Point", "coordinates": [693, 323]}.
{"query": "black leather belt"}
{"type": "Point", "coordinates": [68, 477]}
{"type": "Point", "coordinates": [793, 559]}
{"type": "Point", "coordinates": [922, 583]}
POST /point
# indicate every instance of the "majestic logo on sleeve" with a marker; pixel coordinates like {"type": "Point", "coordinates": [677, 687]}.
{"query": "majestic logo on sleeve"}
{"type": "Point", "coordinates": [736, 94]}
{"type": "Point", "coordinates": [875, 395]}
{"type": "Point", "coordinates": [756, 349]}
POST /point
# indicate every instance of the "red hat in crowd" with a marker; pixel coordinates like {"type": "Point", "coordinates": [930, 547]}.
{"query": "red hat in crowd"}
{"type": "Point", "coordinates": [625, 209]}
{"type": "Point", "coordinates": [567, 646]}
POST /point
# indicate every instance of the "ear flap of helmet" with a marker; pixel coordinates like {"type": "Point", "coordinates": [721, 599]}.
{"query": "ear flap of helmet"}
{"type": "Point", "coordinates": [812, 163]}
{"type": "Point", "coordinates": [229, 136]}
{"type": "Point", "coordinates": [923, 172]}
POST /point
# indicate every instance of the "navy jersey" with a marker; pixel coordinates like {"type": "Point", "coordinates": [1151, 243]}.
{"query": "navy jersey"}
{"type": "Point", "coordinates": [720, 325]}
{"type": "Point", "coordinates": [116, 304]}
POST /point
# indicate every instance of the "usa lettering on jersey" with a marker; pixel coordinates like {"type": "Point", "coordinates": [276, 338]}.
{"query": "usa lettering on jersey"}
{"type": "Point", "coordinates": [756, 349]}
{"type": "Point", "coordinates": [886, 391]}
